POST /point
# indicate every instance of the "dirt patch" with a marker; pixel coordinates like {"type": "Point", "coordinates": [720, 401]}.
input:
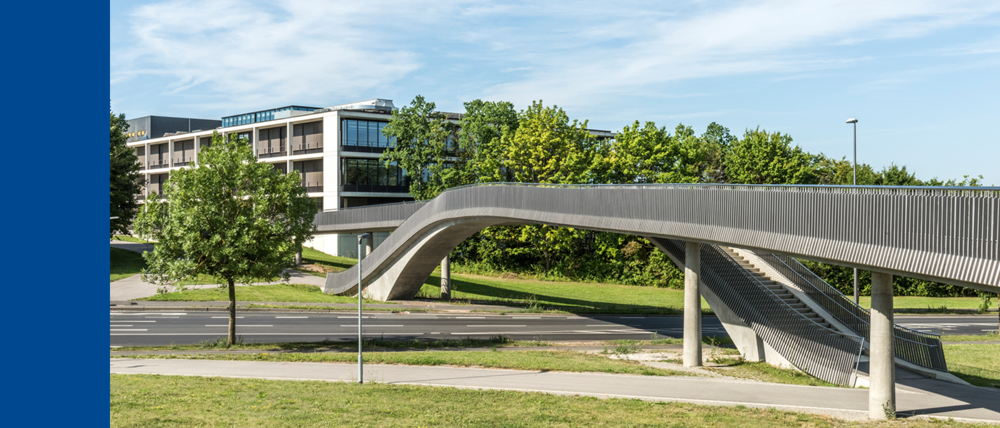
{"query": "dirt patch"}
{"type": "Point", "coordinates": [508, 275]}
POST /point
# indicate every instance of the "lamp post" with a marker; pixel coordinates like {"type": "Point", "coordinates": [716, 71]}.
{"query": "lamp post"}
{"type": "Point", "coordinates": [854, 122]}
{"type": "Point", "coordinates": [361, 239]}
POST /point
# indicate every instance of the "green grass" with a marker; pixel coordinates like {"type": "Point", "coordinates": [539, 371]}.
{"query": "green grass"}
{"type": "Point", "coordinates": [333, 263]}
{"type": "Point", "coordinates": [127, 238]}
{"type": "Point", "coordinates": [969, 337]}
{"type": "Point", "coordinates": [978, 364]}
{"type": "Point", "coordinates": [939, 304]}
{"type": "Point", "coordinates": [258, 293]}
{"type": "Point", "coordinates": [125, 263]}
{"type": "Point", "coordinates": [567, 361]}
{"type": "Point", "coordinates": [764, 372]}
{"type": "Point", "coordinates": [153, 400]}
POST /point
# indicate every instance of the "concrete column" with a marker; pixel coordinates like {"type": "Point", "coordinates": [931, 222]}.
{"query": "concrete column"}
{"type": "Point", "coordinates": [170, 154]}
{"type": "Point", "coordinates": [882, 392]}
{"type": "Point", "coordinates": [692, 305]}
{"type": "Point", "coordinates": [445, 278]}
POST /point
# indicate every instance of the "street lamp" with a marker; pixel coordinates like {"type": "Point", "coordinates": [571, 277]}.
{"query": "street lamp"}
{"type": "Point", "coordinates": [854, 122]}
{"type": "Point", "coordinates": [361, 239]}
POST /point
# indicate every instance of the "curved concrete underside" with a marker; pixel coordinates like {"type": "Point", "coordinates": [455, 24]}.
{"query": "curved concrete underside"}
{"type": "Point", "coordinates": [948, 235]}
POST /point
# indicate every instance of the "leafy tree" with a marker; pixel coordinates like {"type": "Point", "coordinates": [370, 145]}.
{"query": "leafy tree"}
{"type": "Point", "coordinates": [480, 135]}
{"type": "Point", "coordinates": [548, 148]}
{"type": "Point", "coordinates": [230, 217]}
{"type": "Point", "coordinates": [768, 158]}
{"type": "Point", "coordinates": [898, 176]}
{"type": "Point", "coordinates": [125, 184]}
{"type": "Point", "coordinates": [425, 148]}
{"type": "Point", "coordinates": [649, 154]}
{"type": "Point", "coordinates": [841, 172]}
{"type": "Point", "coordinates": [717, 140]}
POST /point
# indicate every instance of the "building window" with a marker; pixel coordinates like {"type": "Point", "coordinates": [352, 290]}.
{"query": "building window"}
{"type": "Point", "coordinates": [371, 175]}
{"type": "Point", "coordinates": [307, 138]}
{"type": "Point", "coordinates": [311, 173]}
{"type": "Point", "coordinates": [364, 136]}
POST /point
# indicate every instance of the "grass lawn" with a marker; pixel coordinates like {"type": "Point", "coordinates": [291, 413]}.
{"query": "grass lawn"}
{"type": "Point", "coordinates": [932, 303]}
{"type": "Point", "coordinates": [128, 238]}
{"type": "Point", "coordinates": [151, 400]}
{"type": "Point", "coordinates": [970, 337]}
{"type": "Point", "coordinates": [257, 293]}
{"type": "Point", "coordinates": [567, 361]}
{"type": "Point", "coordinates": [978, 364]}
{"type": "Point", "coordinates": [125, 263]}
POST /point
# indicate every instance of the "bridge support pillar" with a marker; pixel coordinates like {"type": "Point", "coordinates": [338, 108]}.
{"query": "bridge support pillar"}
{"type": "Point", "coordinates": [446, 278]}
{"type": "Point", "coordinates": [882, 367]}
{"type": "Point", "coordinates": [692, 305]}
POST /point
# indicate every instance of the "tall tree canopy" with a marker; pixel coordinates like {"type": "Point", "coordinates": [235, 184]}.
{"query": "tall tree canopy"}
{"type": "Point", "coordinates": [125, 178]}
{"type": "Point", "coordinates": [230, 217]}
{"type": "Point", "coordinates": [425, 148]}
{"type": "Point", "coordinates": [768, 158]}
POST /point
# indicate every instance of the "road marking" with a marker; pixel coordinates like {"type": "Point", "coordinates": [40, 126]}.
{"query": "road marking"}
{"type": "Point", "coordinates": [470, 318]}
{"type": "Point", "coordinates": [370, 325]}
{"type": "Point", "coordinates": [494, 325]}
{"type": "Point", "coordinates": [270, 334]}
{"type": "Point", "coordinates": [121, 325]}
{"type": "Point", "coordinates": [133, 321]}
{"type": "Point", "coordinates": [291, 317]}
{"type": "Point", "coordinates": [227, 317]}
{"type": "Point", "coordinates": [356, 317]}
{"type": "Point", "coordinates": [162, 317]}
{"type": "Point", "coordinates": [128, 329]}
{"type": "Point", "coordinates": [238, 325]}
{"type": "Point", "coordinates": [148, 313]}
{"type": "Point", "coordinates": [632, 318]}
{"type": "Point", "coordinates": [526, 318]}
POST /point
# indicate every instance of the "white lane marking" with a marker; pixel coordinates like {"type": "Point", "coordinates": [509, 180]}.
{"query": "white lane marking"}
{"type": "Point", "coordinates": [134, 321]}
{"type": "Point", "coordinates": [371, 325]}
{"type": "Point", "coordinates": [525, 318]}
{"type": "Point", "coordinates": [291, 317]}
{"type": "Point", "coordinates": [238, 325]}
{"type": "Point", "coordinates": [493, 325]}
{"type": "Point", "coordinates": [227, 317]}
{"type": "Point", "coordinates": [148, 313]}
{"type": "Point", "coordinates": [265, 334]}
{"type": "Point", "coordinates": [121, 325]}
{"type": "Point", "coordinates": [162, 317]}
{"type": "Point", "coordinates": [128, 329]}
{"type": "Point", "coordinates": [632, 318]}
{"type": "Point", "coordinates": [470, 318]}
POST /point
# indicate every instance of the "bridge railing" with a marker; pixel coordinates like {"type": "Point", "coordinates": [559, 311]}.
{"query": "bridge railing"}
{"type": "Point", "coordinates": [817, 350]}
{"type": "Point", "coordinates": [922, 349]}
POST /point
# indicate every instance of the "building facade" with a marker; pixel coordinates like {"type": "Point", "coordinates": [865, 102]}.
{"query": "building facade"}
{"type": "Point", "coordinates": [335, 149]}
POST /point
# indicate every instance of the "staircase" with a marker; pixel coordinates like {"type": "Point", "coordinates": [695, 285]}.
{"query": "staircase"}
{"type": "Point", "coordinates": [778, 289]}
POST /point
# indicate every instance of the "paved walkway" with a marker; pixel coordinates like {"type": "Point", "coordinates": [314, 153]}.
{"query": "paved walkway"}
{"type": "Point", "coordinates": [133, 287]}
{"type": "Point", "coordinates": [914, 393]}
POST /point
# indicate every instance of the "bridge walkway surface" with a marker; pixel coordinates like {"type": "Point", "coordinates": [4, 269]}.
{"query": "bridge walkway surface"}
{"type": "Point", "coordinates": [917, 395]}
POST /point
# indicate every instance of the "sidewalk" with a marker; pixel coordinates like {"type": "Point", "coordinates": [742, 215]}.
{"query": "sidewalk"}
{"type": "Point", "coordinates": [914, 396]}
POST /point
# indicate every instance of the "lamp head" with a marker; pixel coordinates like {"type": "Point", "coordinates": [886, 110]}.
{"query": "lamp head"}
{"type": "Point", "coordinates": [852, 120]}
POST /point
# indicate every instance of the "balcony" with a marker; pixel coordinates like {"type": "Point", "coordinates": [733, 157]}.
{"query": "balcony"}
{"type": "Point", "coordinates": [183, 162]}
{"type": "Point", "coordinates": [273, 154]}
{"type": "Point", "coordinates": [154, 165]}
{"type": "Point", "coordinates": [374, 189]}
{"type": "Point", "coordinates": [313, 187]}
{"type": "Point", "coordinates": [303, 149]}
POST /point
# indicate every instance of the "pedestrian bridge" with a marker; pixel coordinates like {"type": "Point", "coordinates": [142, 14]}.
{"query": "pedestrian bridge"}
{"type": "Point", "coordinates": [746, 238]}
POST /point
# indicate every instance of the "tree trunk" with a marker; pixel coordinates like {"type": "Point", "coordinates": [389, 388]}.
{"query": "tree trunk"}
{"type": "Point", "coordinates": [232, 312]}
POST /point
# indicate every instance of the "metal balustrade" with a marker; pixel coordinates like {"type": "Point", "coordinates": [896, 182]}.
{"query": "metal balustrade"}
{"type": "Point", "coordinates": [822, 352]}
{"type": "Point", "coordinates": [922, 349]}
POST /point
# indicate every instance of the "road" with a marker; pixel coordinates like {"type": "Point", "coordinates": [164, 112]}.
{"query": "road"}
{"type": "Point", "coordinates": [164, 328]}
{"type": "Point", "coordinates": [144, 328]}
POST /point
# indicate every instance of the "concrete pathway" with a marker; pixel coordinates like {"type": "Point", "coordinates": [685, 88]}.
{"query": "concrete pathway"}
{"type": "Point", "coordinates": [133, 287]}
{"type": "Point", "coordinates": [915, 396]}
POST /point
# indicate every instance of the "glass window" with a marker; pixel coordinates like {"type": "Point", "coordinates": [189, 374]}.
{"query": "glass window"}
{"type": "Point", "coordinates": [362, 133]}
{"type": "Point", "coordinates": [372, 134]}
{"type": "Point", "coordinates": [381, 137]}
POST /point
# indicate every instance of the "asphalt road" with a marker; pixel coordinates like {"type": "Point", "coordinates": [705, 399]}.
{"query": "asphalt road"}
{"type": "Point", "coordinates": [145, 328]}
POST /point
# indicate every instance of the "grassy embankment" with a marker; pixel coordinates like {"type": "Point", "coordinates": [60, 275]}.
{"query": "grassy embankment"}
{"type": "Point", "coordinates": [149, 400]}
{"type": "Point", "coordinates": [125, 263]}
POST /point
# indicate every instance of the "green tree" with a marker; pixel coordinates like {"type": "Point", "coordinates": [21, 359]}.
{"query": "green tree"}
{"type": "Point", "coordinates": [548, 148]}
{"type": "Point", "coordinates": [717, 141]}
{"type": "Point", "coordinates": [125, 178]}
{"type": "Point", "coordinates": [480, 136]}
{"type": "Point", "coordinates": [768, 158]}
{"type": "Point", "coordinates": [841, 172]}
{"type": "Point", "coordinates": [425, 147]}
{"type": "Point", "coordinates": [649, 154]}
{"type": "Point", "coordinates": [231, 217]}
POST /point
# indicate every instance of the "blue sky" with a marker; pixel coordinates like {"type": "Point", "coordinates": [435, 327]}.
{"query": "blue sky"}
{"type": "Point", "coordinates": [922, 77]}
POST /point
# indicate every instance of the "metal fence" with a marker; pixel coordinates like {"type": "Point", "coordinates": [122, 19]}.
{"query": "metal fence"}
{"type": "Point", "coordinates": [922, 349]}
{"type": "Point", "coordinates": [822, 352]}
